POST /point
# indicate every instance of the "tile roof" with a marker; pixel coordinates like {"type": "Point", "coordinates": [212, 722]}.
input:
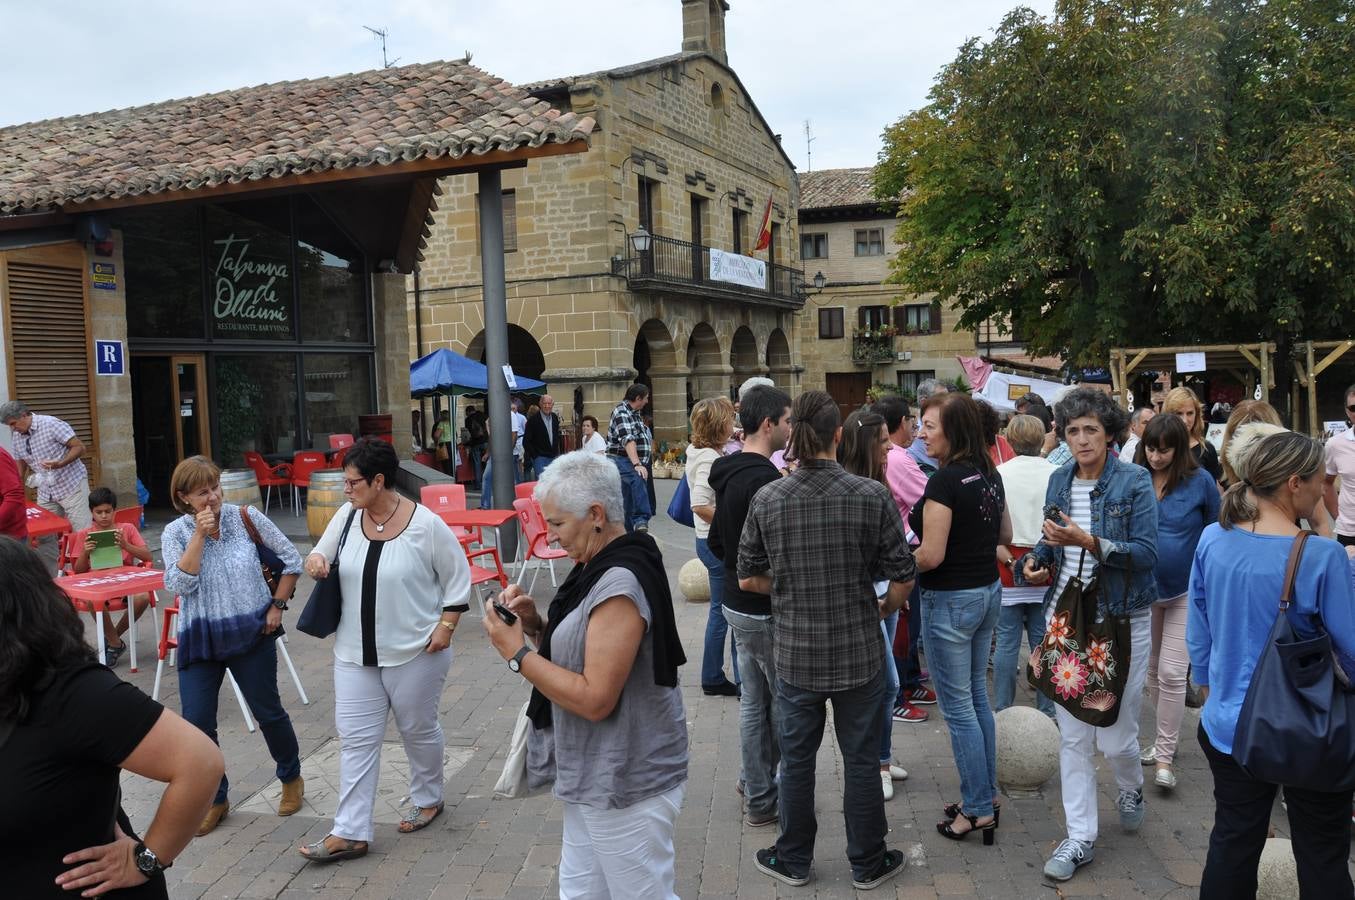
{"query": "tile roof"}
{"type": "Point", "coordinates": [626, 71]}
{"type": "Point", "coordinates": [828, 188]}
{"type": "Point", "coordinates": [424, 111]}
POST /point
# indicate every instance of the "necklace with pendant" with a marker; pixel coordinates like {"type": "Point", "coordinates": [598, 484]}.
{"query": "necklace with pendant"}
{"type": "Point", "coordinates": [381, 526]}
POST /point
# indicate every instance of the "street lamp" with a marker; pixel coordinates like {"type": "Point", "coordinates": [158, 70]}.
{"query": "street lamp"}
{"type": "Point", "coordinates": [640, 240]}
{"type": "Point", "coordinates": [819, 282]}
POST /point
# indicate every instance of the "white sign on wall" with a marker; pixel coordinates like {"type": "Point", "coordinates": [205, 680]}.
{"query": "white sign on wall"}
{"type": "Point", "coordinates": [736, 269]}
{"type": "Point", "coordinates": [1190, 362]}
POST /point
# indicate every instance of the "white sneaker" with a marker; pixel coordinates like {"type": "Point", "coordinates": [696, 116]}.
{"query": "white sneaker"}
{"type": "Point", "coordinates": [1166, 778]}
{"type": "Point", "coordinates": [1149, 755]}
{"type": "Point", "coordinates": [888, 784]}
{"type": "Point", "coordinates": [898, 773]}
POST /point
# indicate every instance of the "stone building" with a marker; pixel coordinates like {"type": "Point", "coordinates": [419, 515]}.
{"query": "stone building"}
{"type": "Point", "coordinates": [857, 331]}
{"type": "Point", "coordinates": [682, 160]}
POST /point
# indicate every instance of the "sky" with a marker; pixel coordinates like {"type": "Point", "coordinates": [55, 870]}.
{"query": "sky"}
{"type": "Point", "coordinates": [849, 67]}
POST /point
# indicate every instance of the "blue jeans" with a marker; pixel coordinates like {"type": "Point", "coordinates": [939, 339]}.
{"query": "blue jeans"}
{"type": "Point", "coordinates": [757, 708]}
{"type": "Point", "coordinates": [632, 493]}
{"type": "Point", "coordinates": [801, 715]}
{"type": "Point", "coordinates": [256, 671]}
{"type": "Point", "coordinates": [487, 486]}
{"type": "Point", "coordinates": [957, 629]}
{"type": "Point", "coordinates": [539, 464]}
{"type": "Point", "coordinates": [477, 464]}
{"type": "Point", "coordinates": [713, 658]}
{"type": "Point", "coordinates": [910, 667]}
{"type": "Point", "coordinates": [889, 625]}
{"type": "Point", "coordinates": [1012, 622]}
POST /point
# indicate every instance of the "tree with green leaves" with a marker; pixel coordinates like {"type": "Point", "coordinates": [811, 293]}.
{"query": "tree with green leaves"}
{"type": "Point", "coordinates": [1136, 173]}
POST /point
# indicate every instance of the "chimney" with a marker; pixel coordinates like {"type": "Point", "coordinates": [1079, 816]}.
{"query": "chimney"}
{"type": "Point", "coordinates": [703, 27]}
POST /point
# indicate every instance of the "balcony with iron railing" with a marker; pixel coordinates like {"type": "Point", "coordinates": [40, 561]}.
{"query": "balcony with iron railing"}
{"type": "Point", "coordinates": [668, 264]}
{"type": "Point", "coordinates": [871, 348]}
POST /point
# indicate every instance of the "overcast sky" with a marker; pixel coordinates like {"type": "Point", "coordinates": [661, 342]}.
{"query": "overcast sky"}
{"type": "Point", "coordinates": [848, 66]}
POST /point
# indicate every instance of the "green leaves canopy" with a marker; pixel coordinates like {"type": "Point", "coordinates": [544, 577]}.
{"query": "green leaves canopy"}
{"type": "Point", "coordinates": [1135, 173]}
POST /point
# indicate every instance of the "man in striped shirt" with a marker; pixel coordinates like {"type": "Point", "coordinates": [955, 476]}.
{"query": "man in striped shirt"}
{"type": "Point", "coordinates": [48, 448]}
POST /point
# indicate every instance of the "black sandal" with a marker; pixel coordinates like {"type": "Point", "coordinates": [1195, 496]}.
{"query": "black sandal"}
{"type": "Point", "coordinates": [989, 830]}
{"type": "Point", "coordinates": [951, 810]}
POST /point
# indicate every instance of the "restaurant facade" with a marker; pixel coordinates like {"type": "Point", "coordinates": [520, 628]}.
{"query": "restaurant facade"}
{"type": "Point", "coordinates": [226, 275]}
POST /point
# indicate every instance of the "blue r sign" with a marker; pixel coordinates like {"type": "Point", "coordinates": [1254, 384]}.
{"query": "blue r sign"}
{"type": "Point", "coordinates": [109, 358]}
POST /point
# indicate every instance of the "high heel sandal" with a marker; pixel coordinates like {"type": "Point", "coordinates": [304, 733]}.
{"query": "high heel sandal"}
{"type": "Point", "coordinates": [989, 830]}
{"type": "Point", "coordinates": [951, 810]}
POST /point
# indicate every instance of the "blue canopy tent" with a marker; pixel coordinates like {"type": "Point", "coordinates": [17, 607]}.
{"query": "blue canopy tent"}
{"type": "Point", "coordinates": [446, 372]}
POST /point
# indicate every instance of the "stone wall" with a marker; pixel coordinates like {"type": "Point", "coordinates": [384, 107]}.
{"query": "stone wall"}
{"type": "Point", "coordinates": [116, 452]}
{"type": "Point", "coordinates": [842, 265]}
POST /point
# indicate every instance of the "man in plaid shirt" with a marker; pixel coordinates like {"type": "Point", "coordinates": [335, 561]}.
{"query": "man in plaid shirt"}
{"type": "Point", "coordinates": [628, 447]}
{"type": "Point", "coordinates": [819, 541]}
{"type": "Point", "coordinates": [48, 447]}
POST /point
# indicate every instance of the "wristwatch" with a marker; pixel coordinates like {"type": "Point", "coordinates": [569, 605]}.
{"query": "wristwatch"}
{"type": "Point", "coordinates": [147, 863]}
{"type": "Point", "coordinates": [516, 662]}
{"type": "Point", "coordinates": [450, 626]}
{"type": "Point", "coordinates": [280, 604]}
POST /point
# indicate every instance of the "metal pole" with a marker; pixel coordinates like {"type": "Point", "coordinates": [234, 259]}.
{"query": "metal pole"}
{"type": "Point", "coordinates": [496, 349]}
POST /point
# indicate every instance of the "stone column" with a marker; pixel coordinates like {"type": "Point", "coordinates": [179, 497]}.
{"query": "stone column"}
{"type": "Point", "coordinates": [391, 314]}
{"type": "Point", "coordinates": [711, 380]}
{"type": "Point", "coordinates": [670, 403]}
{"type": "Point", "coordinates": [116, 452]}
{"type": "Point", "coordinates": [603, 388]}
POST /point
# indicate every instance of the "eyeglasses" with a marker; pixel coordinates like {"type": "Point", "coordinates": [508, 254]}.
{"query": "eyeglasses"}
{"type": "Point", "coordinates": [352, 483]}
{"type": "Point", "coordinates": [1350, 408]}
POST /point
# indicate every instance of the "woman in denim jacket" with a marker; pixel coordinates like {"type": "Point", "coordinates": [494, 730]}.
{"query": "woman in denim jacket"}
{"type": "Point", "coordinates": [1107, 526]}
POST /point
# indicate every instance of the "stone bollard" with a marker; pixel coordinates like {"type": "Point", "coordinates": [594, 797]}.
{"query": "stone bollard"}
{"type": "Point", "coordinates": [694, 581]}
{"type": "Point", "coordinates": [1027, 750]}
{"type": "Point", "coordinates": [1277, 875]}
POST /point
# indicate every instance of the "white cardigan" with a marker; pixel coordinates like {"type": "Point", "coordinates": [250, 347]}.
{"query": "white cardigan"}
{"type": "Point", "coordinates": [419, 573]}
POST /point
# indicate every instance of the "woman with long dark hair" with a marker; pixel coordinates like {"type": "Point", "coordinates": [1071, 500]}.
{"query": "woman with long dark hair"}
{"type": "Point", "coordinates": [962, 519]}
{"type": "Point", "coordinates": [1187, 502]}
{"type": "Point", "coordinates": [1235, 584]}
{"type": "Point", "coordinates": [863, 451]}
{"type": "Point", "coordinates": [68, 728]}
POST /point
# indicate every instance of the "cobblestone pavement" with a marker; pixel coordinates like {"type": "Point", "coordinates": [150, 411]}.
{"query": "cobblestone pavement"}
{"type": "Point", "coordinates": [492, 848]}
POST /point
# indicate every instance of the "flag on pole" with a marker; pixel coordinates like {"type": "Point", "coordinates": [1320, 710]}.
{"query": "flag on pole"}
{"type": "Point", "coordinates": [764, 234]}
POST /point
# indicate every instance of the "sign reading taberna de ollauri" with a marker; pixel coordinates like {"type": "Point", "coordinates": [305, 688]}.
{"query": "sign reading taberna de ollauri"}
{"type": "Point", "coordinates": [251, 293]}
{"type": "Point", "coordinates": [736, 269]}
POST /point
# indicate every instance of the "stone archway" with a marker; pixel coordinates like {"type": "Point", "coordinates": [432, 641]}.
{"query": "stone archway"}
{"type": "Point", "coordinates": [655, 361]}
{"type": "Point", "coordinates": [780, 364]}
{"type": "Point", "coordinates": [524, 353]}
{"type": "Point", "coordinates": [706, 362]}
{"type": "Point", "coordinates": [743, 356]}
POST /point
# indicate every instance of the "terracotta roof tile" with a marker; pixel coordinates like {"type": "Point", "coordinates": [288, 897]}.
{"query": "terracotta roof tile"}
{"type": "Point", "coordinates": [429, 110]}
{"type": "Point", "coordinates": [828, 188]}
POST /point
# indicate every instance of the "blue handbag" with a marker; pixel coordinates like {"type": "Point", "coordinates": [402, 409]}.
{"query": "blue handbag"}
{"type": "Point", "coordinates": [680, 508]}
{"type": "Point", "coordinates": [1297, 723]}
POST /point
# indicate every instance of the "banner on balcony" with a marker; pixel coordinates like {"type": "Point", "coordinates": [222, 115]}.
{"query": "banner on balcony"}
{"type": "Point", "coordinates": [736, 269]}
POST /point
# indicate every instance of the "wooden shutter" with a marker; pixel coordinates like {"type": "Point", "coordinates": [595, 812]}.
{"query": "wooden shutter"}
{"type": "Point", "coordinates": [861, 313]}
{"type": "Point", "coordinates": [936, 317]}
{"type": "Point", "coordinates": [49, 348]}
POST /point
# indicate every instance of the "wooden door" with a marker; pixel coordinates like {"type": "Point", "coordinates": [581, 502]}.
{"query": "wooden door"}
{"type": "Point", "coordinates": [849, 390]}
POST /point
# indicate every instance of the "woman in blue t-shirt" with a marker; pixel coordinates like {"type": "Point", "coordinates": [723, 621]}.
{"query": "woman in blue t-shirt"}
{"type": "Point", "coordinates": [1234, 596]}
{"type": "Point", "coordinates": [961, 520]}
{"type": "Point", "coordinates": [1187, 501]}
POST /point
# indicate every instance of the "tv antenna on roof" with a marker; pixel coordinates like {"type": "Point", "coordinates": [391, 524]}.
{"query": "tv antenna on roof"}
{"type": "Point", "coordinates": [809, 147]}
{"type": "Point", "coordinates": [382, 33]}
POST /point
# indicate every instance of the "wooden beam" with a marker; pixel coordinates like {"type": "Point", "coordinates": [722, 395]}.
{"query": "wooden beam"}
{"type": "Point", "coordinates": [1133, 364]}
{"type": "Point", "coordinates": [1312, 393]}
{"type": "Point", "coordinates": [416, 210]}
{"type": "Point", "coordinates": [1247, 355]}
{"type": "Point", "coordinates": [1300, 375]}
{"type": "Point", "coordinates": [1332, 357]}
{"type": "Point", "coordinates": [370, 174]}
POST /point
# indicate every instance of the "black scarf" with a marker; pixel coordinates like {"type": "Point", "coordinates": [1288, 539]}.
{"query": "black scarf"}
{"type": "Point", "coordinates": [638, 554]}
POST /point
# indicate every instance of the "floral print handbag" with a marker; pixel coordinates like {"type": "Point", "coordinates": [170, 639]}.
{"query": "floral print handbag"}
{"type": "Point", "coordinates": [1082, 663]}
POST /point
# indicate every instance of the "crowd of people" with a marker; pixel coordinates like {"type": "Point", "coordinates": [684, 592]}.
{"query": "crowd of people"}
{"type": "Point", "coordinates": [840, 554]}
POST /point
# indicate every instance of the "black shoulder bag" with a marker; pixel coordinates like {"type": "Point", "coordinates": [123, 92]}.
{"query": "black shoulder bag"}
{"type": "Point", "coordinates": [320, 618]}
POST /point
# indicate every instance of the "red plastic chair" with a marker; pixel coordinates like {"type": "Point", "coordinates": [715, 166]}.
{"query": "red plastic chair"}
{"type": "Point", "coordinates": [480, 575]}
{"type": "Point", "coordinates": [441, 498]}
{"type": "Point", "coordinates": [340, 441]}
{"type": "Point", "coordinates": [303, 464]}
{"type": "Point", "coordinates": [269, 477]}
{"type": "Point", "coordinates": [67, 554]}
{"type": "Point", "coordinates": [538, 543]}
{"type": "Point", "coordinates": [129, 515]}
{"type": "Point", "coordinates": [169, 644]}
{"type": "Point", "coordinates": [524, 490]}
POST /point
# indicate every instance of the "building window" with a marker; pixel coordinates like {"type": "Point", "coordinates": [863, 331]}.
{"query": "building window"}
{"type": "Point", "coordinates": [908, 381]}
{"type": "Point", "coordinates": [739, 223]}
{"type": "Point", "coordinates": [646, 193]}
{"type": "Point", "coordinates": [510, 221]}
{"type": "Point", "coordinates": [830, 323]}
{"type": "Point", "coordinates": [813, 246]}
{"type": "Point", "coordinates": [918, 318]}
{"type": "Point", "coordinates": [872, 318]}
{"type": "Point", "coordinates": [870, 242]}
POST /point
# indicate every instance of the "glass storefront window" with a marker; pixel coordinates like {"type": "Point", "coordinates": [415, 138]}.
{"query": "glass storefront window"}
{"type": "Point", "coordinates": [331, 279]}
{"type": "Point", "coordinates": [249, 270]}
{"type": "Point", "coordinates": [255, 405]}
{"type": "Point", "coordinates": [338, 390]}
{"type": "Point", "coordinates": [162, 269]}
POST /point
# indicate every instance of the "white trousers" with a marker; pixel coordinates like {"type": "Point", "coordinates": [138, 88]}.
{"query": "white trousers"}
{"type": "Point", "coordinates": [621, 853]}
{"type": "Point", "coordinates": [1119, 742]}
{"type": "Point", "coordinates": [74, 506]}
{"type": "Point", "coordinates": [363, 695]}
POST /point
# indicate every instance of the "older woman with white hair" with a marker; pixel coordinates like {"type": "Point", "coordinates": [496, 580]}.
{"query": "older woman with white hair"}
{"type": "Point", "coordinates": [609, 724]}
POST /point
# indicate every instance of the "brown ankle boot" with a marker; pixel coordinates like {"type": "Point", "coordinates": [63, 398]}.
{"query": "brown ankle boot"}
{"type": "Point", "coordinates": [213, 818]}
{"type": "Point", "coordinates": [292, 792]}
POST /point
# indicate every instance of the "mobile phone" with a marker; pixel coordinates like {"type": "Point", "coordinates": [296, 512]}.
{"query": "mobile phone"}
{"type": "Point", "coordinates": [1053, 513]}
{"type": "Point", "coordinates": [508, 616]}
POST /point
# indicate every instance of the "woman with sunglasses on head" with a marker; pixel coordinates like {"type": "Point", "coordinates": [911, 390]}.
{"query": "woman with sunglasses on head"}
{"type": "Point", "coordinates": [1187, 502]}
{"type": "Point", "coordinates": [405, 583]}
{"type": "Point", "coordinates": [863, 451]}
{"type": "Point", "coordinates": [1182, 403]}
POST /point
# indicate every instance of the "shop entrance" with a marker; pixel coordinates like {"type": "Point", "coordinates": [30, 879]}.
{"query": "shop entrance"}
{"type": "Point", "coordinates": [169, 416]}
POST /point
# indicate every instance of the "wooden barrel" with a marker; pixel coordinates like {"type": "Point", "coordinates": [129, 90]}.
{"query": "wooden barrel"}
{"type": "Point", "coordinates": [324, 495]}
{"type": "Point", "coordinates": [239, 486]}
{"type": "Point", "coordinates": [378, 426]}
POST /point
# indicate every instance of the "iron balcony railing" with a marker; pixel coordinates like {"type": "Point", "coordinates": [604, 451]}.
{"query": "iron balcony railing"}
{"type": "Point", "coordinates": [869, 349]}
{"type": "Point", "coordinates": [672, 263]}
